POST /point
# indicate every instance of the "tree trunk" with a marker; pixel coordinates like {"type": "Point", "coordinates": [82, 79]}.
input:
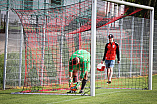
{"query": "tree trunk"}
{"type": "Point", "coordinates": [153, 3]}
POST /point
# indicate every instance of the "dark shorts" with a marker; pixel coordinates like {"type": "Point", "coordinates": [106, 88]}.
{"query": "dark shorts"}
{"type": "Point", "coordinates": [109, 63]}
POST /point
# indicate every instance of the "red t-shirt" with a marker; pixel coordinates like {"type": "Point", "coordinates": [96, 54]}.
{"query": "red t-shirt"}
{"type": "Point", "coordinates": [110, 51]}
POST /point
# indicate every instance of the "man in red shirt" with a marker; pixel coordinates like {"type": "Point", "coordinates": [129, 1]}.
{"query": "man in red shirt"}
{"type": "Point", "coordinates": [111, 50]}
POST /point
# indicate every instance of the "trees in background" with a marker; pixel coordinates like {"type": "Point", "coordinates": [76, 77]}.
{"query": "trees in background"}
{"type": "Point", "coordinates": [151, 3]}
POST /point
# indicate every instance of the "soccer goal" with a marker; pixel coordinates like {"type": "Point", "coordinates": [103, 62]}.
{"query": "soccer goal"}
{"type": "Point", "coordinates": [132, 26]}
{"type": "Point", "coordinates": [54, 30]}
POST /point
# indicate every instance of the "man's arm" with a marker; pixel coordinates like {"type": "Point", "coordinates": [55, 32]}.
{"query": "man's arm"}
{"type": "Point", "coordinates": [117, 52]}
{"type": "Point", "coordinates": [104, 53]}
{"type": "Point", "coordinates": [70, 72]}
{"type": "Point", "coordinates": [70, 65]}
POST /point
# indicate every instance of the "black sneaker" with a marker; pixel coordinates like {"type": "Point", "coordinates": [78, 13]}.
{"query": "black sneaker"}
{"type": "Point", "coordinates": [109, 82]}
{"type": "Point", "coordinates": [70, 91]}
{"type": "Point", "coordinates": [81, 91]}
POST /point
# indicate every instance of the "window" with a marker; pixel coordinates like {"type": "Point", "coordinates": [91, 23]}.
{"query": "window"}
{"type": "Point", "coordinates": [28, 4]}
{"type": "Point", "coordinates": [56, 2]}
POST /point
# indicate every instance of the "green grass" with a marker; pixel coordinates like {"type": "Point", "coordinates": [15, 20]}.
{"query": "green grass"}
{"type": "Point", "coordinates": [133, 83]}
{"type": "Point", "coordinates": [103, 96]}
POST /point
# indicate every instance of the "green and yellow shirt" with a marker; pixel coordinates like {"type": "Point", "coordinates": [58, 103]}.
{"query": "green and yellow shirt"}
{"type": "Point", "coordinates": [84, 64]}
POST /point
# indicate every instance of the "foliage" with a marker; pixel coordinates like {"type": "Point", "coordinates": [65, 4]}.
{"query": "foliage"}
{"type": "Point", "coordinates": [1, 69]}
{"type": "Point", "coordinates": [151, 3]}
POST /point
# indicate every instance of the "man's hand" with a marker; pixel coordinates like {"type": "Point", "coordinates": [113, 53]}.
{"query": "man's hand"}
{"type": "Point", "coordinates": [118, 62]}
{"type": "Point", "coordinates": [101, 62]}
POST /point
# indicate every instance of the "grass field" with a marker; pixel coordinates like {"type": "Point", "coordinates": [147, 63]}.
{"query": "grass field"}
{"type": "Point", "coordinates": [103, 96]}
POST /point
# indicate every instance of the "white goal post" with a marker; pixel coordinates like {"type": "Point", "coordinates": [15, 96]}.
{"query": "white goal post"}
{"type": "Point", "coordinates": [93, 39]}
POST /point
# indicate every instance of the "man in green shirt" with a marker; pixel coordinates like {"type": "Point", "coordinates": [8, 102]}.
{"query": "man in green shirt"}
{"type": "Point", "coordinates": [79, 61]}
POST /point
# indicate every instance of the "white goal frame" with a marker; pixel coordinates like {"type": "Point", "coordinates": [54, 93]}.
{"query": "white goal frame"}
{"type": "Point", "coordinates": [93, 39]}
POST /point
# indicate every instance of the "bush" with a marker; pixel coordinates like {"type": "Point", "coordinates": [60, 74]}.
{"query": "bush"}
{"type": "Point", "coordinates": [1, 69]}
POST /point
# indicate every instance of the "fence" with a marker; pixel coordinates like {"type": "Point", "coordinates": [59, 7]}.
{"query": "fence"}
{"type": "Point", "coordinates": [15, 42]}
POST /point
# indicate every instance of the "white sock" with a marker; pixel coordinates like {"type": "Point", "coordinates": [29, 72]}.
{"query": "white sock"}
{"type": "Point", "coordinates": [110, 79]}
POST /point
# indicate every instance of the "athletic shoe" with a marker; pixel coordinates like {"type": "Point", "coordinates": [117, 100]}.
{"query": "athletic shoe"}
{"type": "Point", "coordinates": [69, 91]}
{"type": "Point", "coordinates": [109, 82]}
{"type": "Point", "coordinates": [72, 91]}
{"type": "Point", "coordinates": [81, 91]}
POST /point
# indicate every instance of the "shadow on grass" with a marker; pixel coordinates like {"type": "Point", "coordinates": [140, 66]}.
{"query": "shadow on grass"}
{"type": "Point", "coordinates": [4, 93]}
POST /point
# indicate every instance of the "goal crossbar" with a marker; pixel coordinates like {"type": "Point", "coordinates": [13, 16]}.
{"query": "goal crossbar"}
{"type": "Point", "coordinates": [131, 4]}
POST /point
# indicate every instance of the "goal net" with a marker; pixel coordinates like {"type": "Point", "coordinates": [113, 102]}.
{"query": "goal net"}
{"type": "Point", "coordinates": [53, 31]}
{"type": "Point", "coordinates": [131, 29]}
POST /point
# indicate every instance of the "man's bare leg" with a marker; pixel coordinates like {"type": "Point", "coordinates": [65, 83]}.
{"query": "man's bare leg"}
{"type": "Point", "coordinates": [111, 73]}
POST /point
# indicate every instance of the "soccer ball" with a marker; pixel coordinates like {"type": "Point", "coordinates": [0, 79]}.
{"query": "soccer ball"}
{"type": "Point", "coordinates": [74, 86]}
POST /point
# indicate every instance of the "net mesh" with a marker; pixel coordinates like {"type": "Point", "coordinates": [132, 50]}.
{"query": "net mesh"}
{"type": "Point", "coordinates": [54, 31]}
{"type": "Point", "coordinates": [132, 34]}
{"type": "Point", "coordinates": [49, 43]}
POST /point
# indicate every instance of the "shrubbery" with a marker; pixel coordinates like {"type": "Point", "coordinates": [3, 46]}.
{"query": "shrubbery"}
{"type": "Point", "coordinates": [1, 69]}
